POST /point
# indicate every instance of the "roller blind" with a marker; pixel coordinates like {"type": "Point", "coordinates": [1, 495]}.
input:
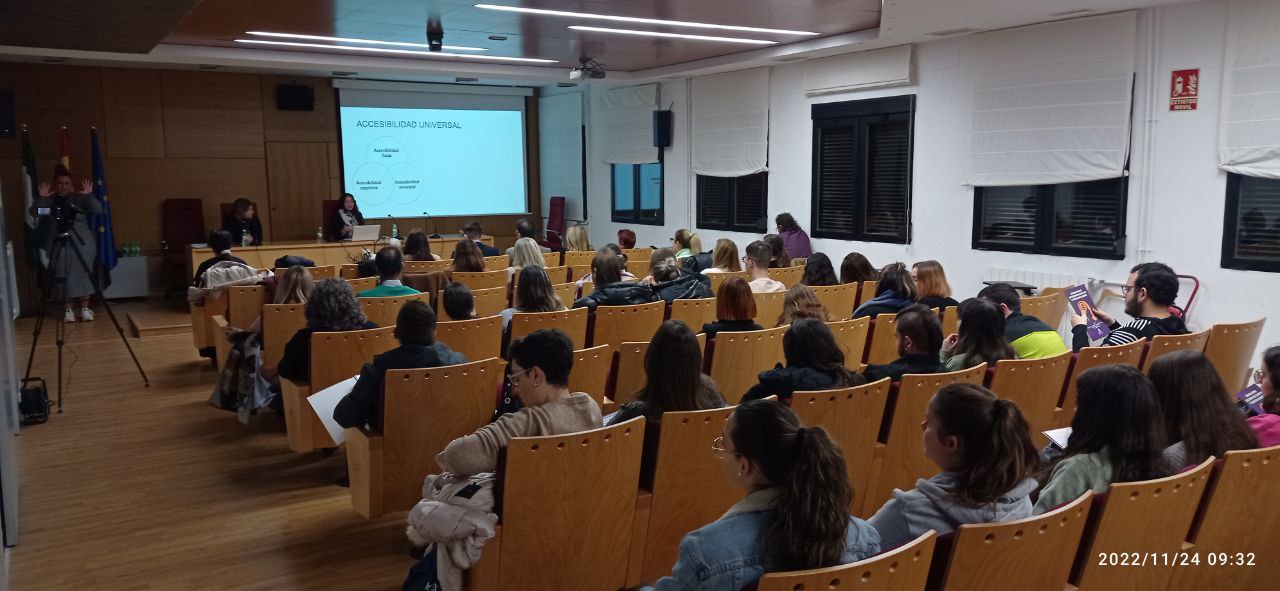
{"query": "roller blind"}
{"type": "Point", "coordinates": [628, 122]}
{"type": "Point", "coordinates": [730, 122]}
{"type": "Point", "coordinates": [1249, 135]}
{"type": "Point", "coordinates": [1052, 102]}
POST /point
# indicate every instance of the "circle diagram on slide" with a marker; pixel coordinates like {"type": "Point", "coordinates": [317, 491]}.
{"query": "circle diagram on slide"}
{"type": "Point", "coordinates": [386, 176]}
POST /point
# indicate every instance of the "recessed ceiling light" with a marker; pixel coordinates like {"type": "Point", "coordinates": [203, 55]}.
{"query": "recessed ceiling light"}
{"type": "Point", "coordinates": [208, 66]}
{"type": "Point", "coordinates": [399, 51]}
{"type": "Point", "coordinates": [357, 40]}
{"type": "Point", "coordinates": [673, 35]}
{"type": "Point", "coordinates": [465, 79]}
{"type": "Point", "coordinates": [344, 73]}
{"type": "Point", "coordinates": [647, 21]}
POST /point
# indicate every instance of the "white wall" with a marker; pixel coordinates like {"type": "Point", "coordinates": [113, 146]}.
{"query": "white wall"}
{"type": "Point", "coordinates": [1176, 196]}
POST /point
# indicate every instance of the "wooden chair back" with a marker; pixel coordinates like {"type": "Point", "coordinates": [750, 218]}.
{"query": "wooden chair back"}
{"type": "Point", "coordinates": [497, 263]}
{"type": "Point", "coordinates": [551, 259]}
{"type": "Point", "coordinates": [1164, 344]}
{"type": "Point", "coordinates": [866, 291]}
{"type": "Point", "coordinates": [905, 568]}
{"type": "Point", "coordinates": [577, 272]}
{"type": "Point", "coordinates": [1234, 518]}
{"type": "Point", "coordinates": [1152, 516]}
{"type": "Point", "coordinates": [590, 372]}
{"type": "Point", "coordinates": [336, 356]}
{"type": "Point", "coordinates": [482, 279]}
{"type": "Point", "coordinates": [630, 376]}
{"type": "Point", "coordinates": [1045, 307]}
{"type": "Point", "coordinates": [615, 325]}
{"type": "Point", "coordinates": [349, 271]}
{"type": "Point", "coordinates": [638, 254]}
{"type": "Point", "coordinates": [882, 347]}
{"type": "Point", "coordinates": [454, 400]}
{"type": "Point", "coordinates": [852, 417]}
{"type": "Point", "coordinates": [950, 321]}
{"type": "Point", "coordinates": [738, 358]}
{"type": "Point", "coordinates": [360, 284]}
{"type": "Point", "coordinates": [1032, 553]}
{"type": "Point", "coordinates": [694, 312]}
{"type": "Point", "coordinates": [684, 464]}
{"type": "Point", "coordinates": [317, 273]}
{"type": "Point", "coordinates": [203, 331]}
{"type": "Point", "coordinates": [586, 289]}
{"type": "Point", "coordinates": [585, 479]}
{"type": "Point", "coordinates": [245, 305]}
{"type": "Point", "coordinates": [788, 276]}
{"type": "Point", "coordinates": [718, 278]}
{"type": "Point", "coordinates": [769, 307]}
{"type": "Point", "coordinates": [480, 338]}
{"type": "Point", "coordinates": [489, 302]}
{"type": "Point", "coordinates": [839, 299]}
{"type": "Point", "coordinates": [639, 268]}
{"type": "Point", "coordinates": [904, 460]}
{"type": "Point", "coordinates": [279, 323]}
{"type": "Point", "coordinates": [851, 335]}
{"type": "Point", "coordinates": [428, 266]}
{"type": "Point", "coordinates": [579, 258]}
{"type": "Point", "coordinates": [1230, 349]}
{"type": "Point", "coordinates": [555, 274]}
{"type": "Point", "coordinates": [1091, 357]}
{"type": "Point", "coordinates": [1033, 385]}
{"type": "Point", "coordinates": [383, 311]}
{"type": "Point", "coordinates": [565, 293]}
{"type": "Point", "coordinates": [572, 322]}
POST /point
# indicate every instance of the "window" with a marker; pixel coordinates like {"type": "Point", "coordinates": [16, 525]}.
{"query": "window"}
{"type": "Point", "coordinates": [1251, 232]}
{"type": "Point", "coordinates": [862, 169]}
{"type": "Point", "coordinates": [736, 204]}
{"type": "Point", "coordinates": [1085, 219]}
{"type": "Point", "coordinates": [637, 193]}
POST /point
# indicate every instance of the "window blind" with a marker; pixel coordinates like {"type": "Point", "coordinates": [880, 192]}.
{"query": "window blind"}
{"type": "Point", "coordinates": [730, 120]}
{"type": "Point", "coordinates": [1249, 133]}
{"type": "Point", "coordinates": [629, 124]}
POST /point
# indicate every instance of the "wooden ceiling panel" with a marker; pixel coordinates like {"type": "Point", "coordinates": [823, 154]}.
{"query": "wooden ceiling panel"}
{"type": "Point", "coordinates": [127, 26]}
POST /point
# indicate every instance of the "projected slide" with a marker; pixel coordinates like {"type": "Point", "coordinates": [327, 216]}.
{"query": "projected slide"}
{"type": "Point", "coordinates": [404, 162]}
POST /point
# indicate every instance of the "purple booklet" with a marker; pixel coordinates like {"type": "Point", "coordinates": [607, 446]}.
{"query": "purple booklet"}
{"type": "Point", "coordinates": [1250, 401]}
{"type": "Point", "coordinates": [1080, 302]}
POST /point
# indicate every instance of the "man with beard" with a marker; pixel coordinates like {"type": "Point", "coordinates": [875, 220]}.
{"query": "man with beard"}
{"type": "Point", "coordinates": [1149, 294]}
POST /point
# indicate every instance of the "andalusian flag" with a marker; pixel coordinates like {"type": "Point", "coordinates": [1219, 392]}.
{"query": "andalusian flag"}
{"type": "Point", "coordinates": [102, 222]}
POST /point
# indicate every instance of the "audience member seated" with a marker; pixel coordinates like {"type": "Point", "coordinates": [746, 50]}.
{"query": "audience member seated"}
{"type": "Point", "coordinates": [818, 271]}
{"type": "Point", "coordinates": [533, 294]}
{"type": "Point", "coordinates": [894, 291]}
{"type": "Point", "coordinates": [757, 260]}
{"type": "Point", "coordinates": [794, 240]}
{"type": "Point", "coordinates": [932, 288]}
{"type": "Point", "coordinates": [457, 301]}
{"type": "Point", "coordinates": [801, 302]}
{"type": "Point", "coordinates": [525, 230]}
{"type": "Point", "coordinates": [778, 257]}
{"type": "Point", "coordinates": [855, 268]}
{"type": "Point", "coordinates": [673, 368]}
{"type": "Point", "coordinates": [611, 290]}
{"type": "Point", "coordinates": [671, 282]}
{"type": "Point", "coordinates": [220, 244]}
{"type": "Point", "coordinates": [626, 238]}
{"type": "Point", "coordinates": [683, 243]}
{"type": "Point", "coordinates": [983, 446]}
{"type": "Point", "coordinates": [525, 253]}
{"type": "Point", "coordinates": [1148, 296]}
{"type": "Point", "coordinates": [417, 247]}
{"type": "Point", "coordinates": [345, 218]}
{"type": "Point", "coordinates": [616, 251]}
{"type": "Point", "coordinates": [919, 335]}
{"type": "Point", "coordinates": [467, 258]}
{"type": "Point", "coordinates": [814, 362]}
{"type": "Point", "coordinates": [1268, 377]}
{"type": "Point", "coordinates": [333, 307]}
{"type": "Point", "coordinates": [724, 258]}
{"type": "Point", "coordinates": [796, 512]}
{"type": "Point", "coordinates": [735, 309]}
{"type": "Point", "coordinates": [473, 232]}
{"type": "Point", "coordinates": [981, 338]}
{"type": "Point", "coordinates": [1117, 435]}
{"type": "Point", "coordinates": [1201, 418]}
{"type": "Point", "coordinates": [1030, 338]}
{"type": "Point", "coordinates": [576, 239]}
{"type": "Point", "coordinates": [539, 376]}
{"type": "Point", "coordinates": [390, 265]}
{"type": "Point", "coordinates": [244, 220]}
{"type": "Point", "coordinates": [416, 331]}
{"type": "Point", "coordinates": [293, 287]}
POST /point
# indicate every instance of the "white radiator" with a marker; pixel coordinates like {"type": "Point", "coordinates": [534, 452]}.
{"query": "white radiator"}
{"type": "Point", "coordinates": [1041, 279]}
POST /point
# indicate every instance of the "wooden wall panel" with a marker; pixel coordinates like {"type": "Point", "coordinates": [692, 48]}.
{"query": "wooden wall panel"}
{"type": "Point", "coordinates": [133, 113]}
{"type": "Point", "coordinates": [319, 125]}
{"type": "Point", "coordinates": [212, 115]}
{"type": "Point", "coordinates": [298, 183]}
{"type": "Point", "coordinates": [47, 98]}
{"type": "Point", "coordinates": [335, 161]}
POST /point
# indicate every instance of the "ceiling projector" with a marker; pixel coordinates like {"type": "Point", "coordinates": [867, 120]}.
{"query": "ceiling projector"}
{"type": "Point", "coordinates": [589, 69]}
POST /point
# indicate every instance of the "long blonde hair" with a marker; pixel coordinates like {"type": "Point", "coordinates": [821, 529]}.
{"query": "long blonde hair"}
{"type": "Point", "coordinates": [526, 253]}
{"type": "Point", "coordinates": [931, 280]}
{"type": "Point", "coordinates": [577, 239]}
{"type": "Point", "coordinates": [295, 286]}
{"type": "Point", "coordinates": [725, 256]}
{"type": "Point", "coordinates": [802, 302]}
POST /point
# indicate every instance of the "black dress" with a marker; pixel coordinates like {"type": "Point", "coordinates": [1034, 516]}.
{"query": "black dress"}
{"type": "Point", "coordinates": [336, 224]}
{"type": "Point", "coordinates": [236, 226]}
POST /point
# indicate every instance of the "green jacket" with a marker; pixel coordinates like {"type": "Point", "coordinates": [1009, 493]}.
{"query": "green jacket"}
{"type": "Point", "coordinates": [386, 291]}
{"type": "Point", "coordinates": [1031, 338]}
{"type": "Point", "coordinates": [1074, 475]}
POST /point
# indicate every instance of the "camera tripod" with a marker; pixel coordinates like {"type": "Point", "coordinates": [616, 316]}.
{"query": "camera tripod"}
{"type": "Point", "coordinates": [63, 246]}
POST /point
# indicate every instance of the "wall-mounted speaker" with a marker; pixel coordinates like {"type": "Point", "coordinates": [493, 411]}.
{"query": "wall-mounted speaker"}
{"type": "Point", "coordinates": [295, 97]}
{"type": "Point", "coordinates": [662, 129]}
{"type": "Point", "coordinates": [8, 116]}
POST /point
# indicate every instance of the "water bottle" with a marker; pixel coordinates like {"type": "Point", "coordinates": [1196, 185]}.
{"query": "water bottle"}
{"type": "Point", "coordinates": [395, 231]}
{"type": "Point", "coordinates": [319, 234]}
{"type": "Point", "coordinates": [245, 240]}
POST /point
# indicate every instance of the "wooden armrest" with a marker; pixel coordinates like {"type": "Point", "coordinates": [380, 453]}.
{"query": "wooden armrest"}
{"type": "Point", "coordinates": [297, 415]}
{"type": "Point", "coordinates": [483, 575]}
{"type": "Point", "coordinates": [364, 468]}
{"type": "Point", "coordinates": [639, 538]}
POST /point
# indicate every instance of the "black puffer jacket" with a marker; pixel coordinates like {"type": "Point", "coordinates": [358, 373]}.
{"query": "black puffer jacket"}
{"type": "Point", "coordinates": [685, 287]}
{"type": "Point", "coordinates": [696, 263]}
{"type": "Point", "coordinates": [785, 381]}
{"type": "Point", "coordinates": [622, 293]}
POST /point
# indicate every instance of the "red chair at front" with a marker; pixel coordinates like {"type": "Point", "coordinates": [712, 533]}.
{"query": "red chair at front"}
{"type": "Point", "coordinates": [555, 225]}
{"type": "Point", "coordinates": [328, 208]}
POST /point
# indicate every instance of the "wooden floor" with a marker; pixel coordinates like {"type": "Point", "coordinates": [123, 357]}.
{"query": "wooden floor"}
{"type": "Point", "coordinates": [151, 488]}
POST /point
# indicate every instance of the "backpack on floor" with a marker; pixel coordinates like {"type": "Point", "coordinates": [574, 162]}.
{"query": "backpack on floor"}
{"type": "Point", "coordinates": [33, 401]}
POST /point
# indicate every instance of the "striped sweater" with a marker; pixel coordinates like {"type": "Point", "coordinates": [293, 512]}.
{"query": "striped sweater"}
{"type": "Point", "coordinates": [1140, 328]}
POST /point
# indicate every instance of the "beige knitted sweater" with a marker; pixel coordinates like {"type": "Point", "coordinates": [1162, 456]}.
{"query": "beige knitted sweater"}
{"type": "Point", "coordinates": [478, 452]}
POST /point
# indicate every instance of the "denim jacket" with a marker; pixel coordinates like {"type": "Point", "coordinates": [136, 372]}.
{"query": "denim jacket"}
{"type": "Point", "coordinates": [725, 554]}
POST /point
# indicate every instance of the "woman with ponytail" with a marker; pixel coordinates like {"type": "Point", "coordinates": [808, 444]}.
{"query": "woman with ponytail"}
{"type": "Point", "coordinates": [983, 445]}
{"type": "Point", "coordinates": [796, 512]}
{"type": "Point", "coordinates": [672, 282]}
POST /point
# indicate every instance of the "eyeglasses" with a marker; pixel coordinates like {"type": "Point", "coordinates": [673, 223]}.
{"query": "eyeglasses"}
{"type": "Point", "coordinates": [1258, 376]}
{"type": "Point", "coordinates": [1124, 289]}
{"type": "Point", "coordinates": [511, 378]}
{"type": "Point", "coordinates": [717, 448]}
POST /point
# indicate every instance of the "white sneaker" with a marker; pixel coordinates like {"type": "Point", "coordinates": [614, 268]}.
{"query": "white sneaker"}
{"type": "Point", "coordinates": [86, 315]}
{"type": "Point", "coordinates": [68, 316]}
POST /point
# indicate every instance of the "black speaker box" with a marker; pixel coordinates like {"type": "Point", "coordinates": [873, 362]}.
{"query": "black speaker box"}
{"type": "Point", "coordinates": [662, 125]}
{"type": "Point", "coordinates": [8, 117]}
{"type": "Point", "coordinates": [295, 97]}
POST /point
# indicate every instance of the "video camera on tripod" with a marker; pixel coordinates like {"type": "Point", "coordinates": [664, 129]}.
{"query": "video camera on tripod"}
{"type": "Point", "coordinates": [61, 213]}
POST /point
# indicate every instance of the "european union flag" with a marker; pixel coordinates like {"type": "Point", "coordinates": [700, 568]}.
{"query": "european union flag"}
{"type": "Point", "coordinates": [102, 222]}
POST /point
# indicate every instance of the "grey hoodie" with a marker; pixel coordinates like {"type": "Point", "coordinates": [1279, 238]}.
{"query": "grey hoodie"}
{"type": "Point", "coordinates": [931, 506]}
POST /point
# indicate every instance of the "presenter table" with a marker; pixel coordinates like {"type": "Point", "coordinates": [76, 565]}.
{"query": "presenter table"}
{"type": "Point", "coordinates": [323, 253]}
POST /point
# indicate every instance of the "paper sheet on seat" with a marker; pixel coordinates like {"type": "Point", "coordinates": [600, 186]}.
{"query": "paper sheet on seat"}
{"type": "Point", "coordinates": [1059, 436]}
{"type": "Point", "coordinates": [323, 403]}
